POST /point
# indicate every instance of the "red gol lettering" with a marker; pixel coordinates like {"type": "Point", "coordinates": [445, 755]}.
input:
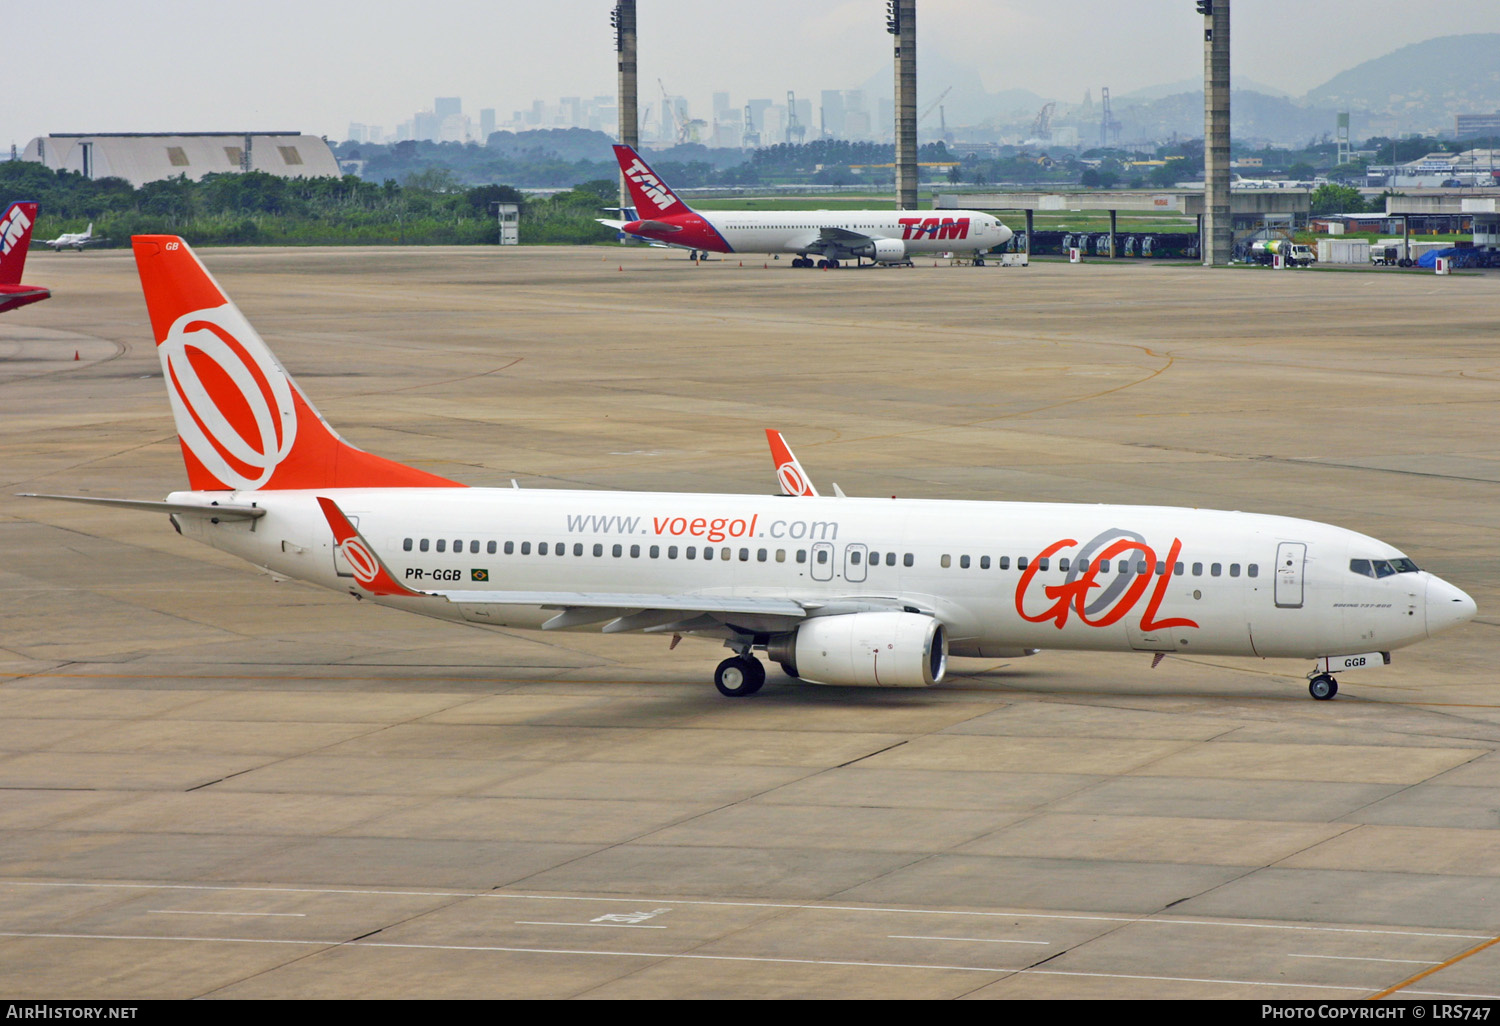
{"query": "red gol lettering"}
{"type": "Point", "coordinates": [1074, 596]}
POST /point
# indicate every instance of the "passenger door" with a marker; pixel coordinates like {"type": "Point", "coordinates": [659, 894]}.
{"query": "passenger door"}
{"type": "Point", "coordinates": [1290, 558]}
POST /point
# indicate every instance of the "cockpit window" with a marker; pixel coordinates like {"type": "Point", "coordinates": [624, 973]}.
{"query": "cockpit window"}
{"type": "Point", "coordinates": [1382, 567]}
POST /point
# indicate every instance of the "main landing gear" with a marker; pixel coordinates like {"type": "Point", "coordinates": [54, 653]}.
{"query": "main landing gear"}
{"type": "Point", "coordinates": [1322, 686]}
{"type": "Point", "coordinates": [827, 265]}
{"type": "Point", "coordinates": [739, 676]}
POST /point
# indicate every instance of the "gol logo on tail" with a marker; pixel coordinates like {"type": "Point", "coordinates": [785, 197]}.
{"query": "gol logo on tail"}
{"type": "Point", "coordinates": [361, 560]}
{"type": "Point", "coordinates": [792, 480]}
{"type": "Point", "coordinates": [233, 405]}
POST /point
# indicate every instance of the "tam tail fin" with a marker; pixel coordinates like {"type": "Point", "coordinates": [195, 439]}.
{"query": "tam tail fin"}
{"type": "Point", "coordinates": [651, 196]}
{"type": "Point", "coordinates": [15, 238]}
{"type": "Point", "coordinates": [243, 423]}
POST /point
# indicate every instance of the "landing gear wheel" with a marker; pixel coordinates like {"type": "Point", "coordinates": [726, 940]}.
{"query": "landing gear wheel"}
{"type": "Point", "coordinates": [834, 264]}
{"type": "Point", "coordinates": [1322, 687]}
{"type": "Point", "coordinates": [979, 261]}
{"type": "Point", "coordinates": [739, 676]}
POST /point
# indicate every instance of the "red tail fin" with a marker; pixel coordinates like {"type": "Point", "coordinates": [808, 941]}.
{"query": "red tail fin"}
{"type": "Point", "coordinates": [242, 421]}
{"type": "Point", "coordinates": [648, 192]}
{"type": "Point", "coordinates": [15, 237]}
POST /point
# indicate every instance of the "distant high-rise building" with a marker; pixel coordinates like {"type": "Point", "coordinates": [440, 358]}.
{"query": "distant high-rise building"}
{"type": "Point", "coordinates": [721, 105]}
{"type": "Point", "coordinates": [831, 116]}
{"type": "Point", "coordinates": [356, 132]}
{"type": "Point", "coordinates": [1471, 125]}
{"type": "Point", "coordinates": [572, 111]}
{"type": "Point", "coordinates": [445, 106]}
{"type": "Point", "coordinates": [486, 123]}
{"type": "Point", "coordinates": [425, 124]}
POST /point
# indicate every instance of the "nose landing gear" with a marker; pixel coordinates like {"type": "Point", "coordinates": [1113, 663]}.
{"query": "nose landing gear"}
{"type": "Point", "coordinates": [1322, 686]}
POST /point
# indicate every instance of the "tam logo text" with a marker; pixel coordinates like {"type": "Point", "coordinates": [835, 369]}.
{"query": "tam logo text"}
{"type": "Point", "coordinates": [933, 228]}
{"type": "Point", "coordinates": [651, 185]}
{"type": "Point", "coordinates": [13, 228]}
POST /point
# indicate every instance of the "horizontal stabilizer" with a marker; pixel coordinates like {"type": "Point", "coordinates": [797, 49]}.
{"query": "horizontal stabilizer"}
{"type": "Point", "coordinates": [215, 511]}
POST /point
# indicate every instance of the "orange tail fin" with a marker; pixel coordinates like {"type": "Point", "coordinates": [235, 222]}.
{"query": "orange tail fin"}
{"type": "Point", "coordinates": [242, 421]}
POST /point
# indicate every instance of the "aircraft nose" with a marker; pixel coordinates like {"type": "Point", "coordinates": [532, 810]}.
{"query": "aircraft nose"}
{"type": "Point", "coordinates": [1447, 606]}
{"type": "Point", "coordinates": [1006, 234]}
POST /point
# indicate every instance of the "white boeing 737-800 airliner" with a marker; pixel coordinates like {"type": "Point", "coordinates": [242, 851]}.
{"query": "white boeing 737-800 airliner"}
{"type": "Point", "coordinates": [838, 590]}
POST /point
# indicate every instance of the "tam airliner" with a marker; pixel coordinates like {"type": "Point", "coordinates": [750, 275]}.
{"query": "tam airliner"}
{"type": "Point", "coordinates": [15, 238]}
{"type": "Point", "coordinates": [861, 592]}
{"type": "Point", "coordinates": [832, 236]}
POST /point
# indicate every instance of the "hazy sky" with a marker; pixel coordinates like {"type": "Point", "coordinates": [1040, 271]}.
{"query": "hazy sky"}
{"type": "Point", "coordinates": [317, 65]}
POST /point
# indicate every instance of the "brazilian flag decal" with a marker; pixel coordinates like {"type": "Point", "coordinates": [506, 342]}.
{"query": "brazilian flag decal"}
{"type": "Point", "coordinates": [479, 575]}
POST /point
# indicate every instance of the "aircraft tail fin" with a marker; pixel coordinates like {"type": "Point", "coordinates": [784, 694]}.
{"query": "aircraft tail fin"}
{"type": "Point", "coordinates": [15, 238]}
{"type": "Point", "coordinates": [650, 195]}
{"type": "Point", "coordinates": [242, 421]}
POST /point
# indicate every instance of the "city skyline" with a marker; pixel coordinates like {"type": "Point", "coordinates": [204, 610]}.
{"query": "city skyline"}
{"type": "Point", "coordinates": [316, 69]}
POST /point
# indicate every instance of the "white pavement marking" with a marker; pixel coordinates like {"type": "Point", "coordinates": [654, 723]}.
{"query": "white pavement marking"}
{"type": "Point", "coordinates": [637, 900]}
{"type": "Point", "coordinates": [604, 926]}
{"type": "Point", "coordinates": [1361, 958]}
{"type": "Point", "coordinates": [187, 912]}
{"type": "Point", "coordinates": [979, 940]}
{"type": "Point", "coordinates": [994, 970]}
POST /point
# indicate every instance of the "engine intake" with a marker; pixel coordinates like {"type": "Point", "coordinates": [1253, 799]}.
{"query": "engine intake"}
{"type": "Point", "coordinates": [868, 650]}
{"type": "Point", "coordinates": [885, 251]}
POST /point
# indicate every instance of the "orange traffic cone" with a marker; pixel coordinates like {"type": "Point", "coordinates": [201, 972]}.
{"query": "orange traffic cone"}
{"type": "Point", "coordinates": [75, 355]}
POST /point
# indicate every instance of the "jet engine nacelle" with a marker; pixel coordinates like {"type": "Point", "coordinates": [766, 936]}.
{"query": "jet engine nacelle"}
{"type": "Point", "coordinates": [885, 251]}
{"type": "Point", "coordinates": [868, 650]}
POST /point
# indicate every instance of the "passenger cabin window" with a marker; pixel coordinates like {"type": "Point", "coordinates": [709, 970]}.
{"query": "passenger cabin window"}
{"type": "Point", "coordinates": [422, 545]}
{"type": "Point", "coordinates": [525, 548]}
{"type": "Point", "coordinates": [406, 545]}
{"type": "Point", "coordinates": [442, 544]}
{"type": "Point", "coordinates": [908, 560]}
{"type": "Point", "coordinates": [1216, 570]}
{"type": "Point", "coordinates": [490, 548]}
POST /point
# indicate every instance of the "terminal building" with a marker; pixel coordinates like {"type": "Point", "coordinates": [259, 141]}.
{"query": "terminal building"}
{"type": "Point", "coordinates": [141, 157]}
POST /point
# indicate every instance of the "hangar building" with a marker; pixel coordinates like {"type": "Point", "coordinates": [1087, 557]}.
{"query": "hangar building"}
{"type": "Point", "coordinates": [141, 157]}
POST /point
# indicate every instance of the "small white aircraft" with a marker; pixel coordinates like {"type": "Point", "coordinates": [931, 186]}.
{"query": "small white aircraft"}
{"type": "Point", "coordinates": [77, 240]}
{"type": "Point", "coordinates": [861, 592]}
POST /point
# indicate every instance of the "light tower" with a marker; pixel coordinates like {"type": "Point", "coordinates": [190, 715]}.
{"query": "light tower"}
{"type": "Point", "coordinates": [1218, 234]}
{"type": "Point", "coordinates": [623, 20]}
{"type": "Point", "coordinates": [901, 22]}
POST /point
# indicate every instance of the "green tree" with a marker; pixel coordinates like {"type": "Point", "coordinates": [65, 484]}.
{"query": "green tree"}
{"type": "Point", "coordinates": [1337, 199]}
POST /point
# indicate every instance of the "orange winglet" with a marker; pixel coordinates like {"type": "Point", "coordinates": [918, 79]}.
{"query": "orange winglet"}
{"type": "Point", "coordinates": [789, 472]}
{"type": "Point", "coordinates": [369, 571]}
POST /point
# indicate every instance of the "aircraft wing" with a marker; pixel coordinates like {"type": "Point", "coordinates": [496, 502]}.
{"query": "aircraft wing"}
{"type": "Point", "coordinates": [843, 236]}
{"type": "Point", "coordinates": [830, 241]}
{"type": "Point", "coordinates": [722, 614]}
{"type": "Point", "coordinates": [649, 613]}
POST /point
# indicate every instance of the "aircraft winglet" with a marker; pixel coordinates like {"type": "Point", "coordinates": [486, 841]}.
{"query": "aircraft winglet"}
{"type": "Point", "coordinates": [369, 571]}
{"type": "Point", "coordinates": [789, 473]}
